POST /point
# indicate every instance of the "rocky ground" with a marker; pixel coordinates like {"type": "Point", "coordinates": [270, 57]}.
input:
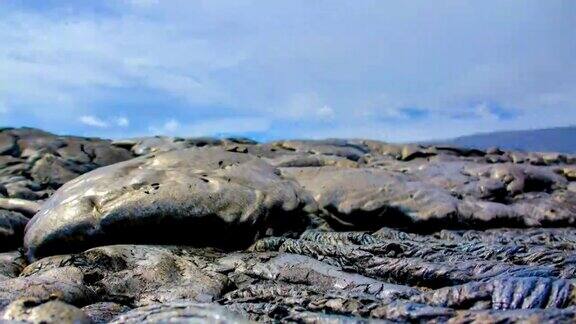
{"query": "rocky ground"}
{"type": "Point", "coordinates": [203, 229]}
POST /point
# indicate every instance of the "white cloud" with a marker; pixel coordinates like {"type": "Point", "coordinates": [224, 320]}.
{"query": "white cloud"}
{"type": "Point", "coordinates": [303, 106]}
{"type": "Point", "coordinates": [93, 121]}
{"type": "Point", "coordinates": [337, 63]}
{"type": "Point", "coordinates": [213, 127]}
{"type": "Point", "coordinates": [483, 111]}
{"type": "Point", "coordinates": [326, 112]}
{"type": "Point", "coordinates": [170, 127]}
{"type": "Point", "coordinates": [228, 126]}
{"type": "Point", "coordinates": [65, 59]}
{"type": "Point", "coordinates": [122, 122]}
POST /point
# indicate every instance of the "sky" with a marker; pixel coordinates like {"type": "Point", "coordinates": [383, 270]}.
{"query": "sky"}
{"type": "Point", "coordinates": [397, 71]}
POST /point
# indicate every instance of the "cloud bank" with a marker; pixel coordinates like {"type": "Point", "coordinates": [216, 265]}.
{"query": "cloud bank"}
{"type": "Point", "coordinates": [404, 71]}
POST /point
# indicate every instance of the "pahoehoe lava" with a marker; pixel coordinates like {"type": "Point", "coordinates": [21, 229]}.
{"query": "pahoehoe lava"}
{"type": "Point", "coordinates": [230, 230]}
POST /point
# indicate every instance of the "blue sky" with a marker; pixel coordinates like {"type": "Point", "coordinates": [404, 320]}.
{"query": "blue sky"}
{"type": "Point", "coordinates": [391, 70]}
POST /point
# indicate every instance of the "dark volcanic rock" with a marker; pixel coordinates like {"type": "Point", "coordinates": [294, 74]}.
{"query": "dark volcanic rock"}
{"type": "Point", "coordinates": [34, 162]}
{"type": "Point", "coordinates": [25, 207]}
{"type": "Point", "coordinates": [30, 310]}
{"type": "Point", "coordinates": [179, 196]}
{"type": "Point", "coordinates": [363, 198]}
{"type": "Point", "coordinates": [11, 229]}
{"type": "Point", "coordinates": [339, 148]}
{"type": "Point", "coordinates": [343, 231]}
{"type": "Point", "coordinates": [183, 312]}
{"type": "Point", "coordinates": [104, 312]}
{"type": "Point", "coordinates": [65, 284]}
{"type": "Point", "coordinates": [11, 264]}
{"type": "Point", "coordinates": [158, 144]}
{"type": "Point", "coordinates": [138, 275]}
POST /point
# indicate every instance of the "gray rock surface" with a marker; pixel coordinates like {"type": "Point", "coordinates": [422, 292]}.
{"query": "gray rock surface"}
{"type": "Point", "coordinates": [25, 207]}
{"type": "Point", "coordinates": [104, 312]}
{"type": "Point", "coordinates": [228, 230]}
{"type": "Point", "coordinates": [183, 312]}
{"type": "Point", "coordinates": [138, 275]}
{"type": "Point", "coordinates": [29, 310]}
{"type": "Point", "coordinates": [64, 283]}
{"type": "Point", "coordinates": [11, 264]}
{"type": "Point", "coordinates": [11, 229]}
{"type": "Point", "coordinates": [179, 196]}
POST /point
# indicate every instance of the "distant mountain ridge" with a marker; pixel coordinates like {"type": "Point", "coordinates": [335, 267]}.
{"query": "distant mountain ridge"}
{"type": "Point", "coordinates": [559, 139]}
